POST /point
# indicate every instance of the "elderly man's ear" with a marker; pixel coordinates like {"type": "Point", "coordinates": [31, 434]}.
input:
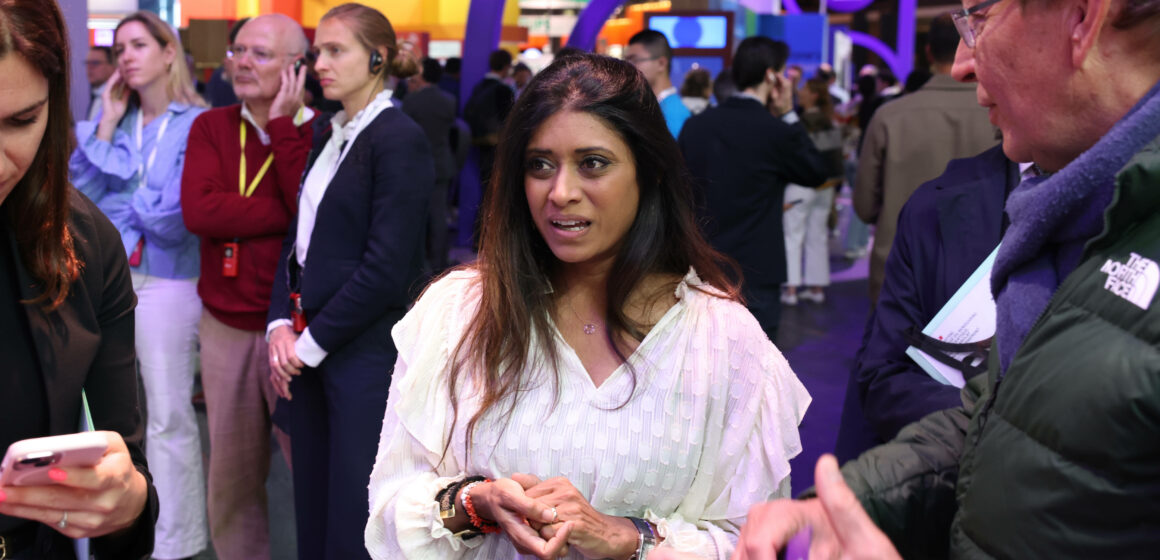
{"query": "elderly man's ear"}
{"type": "Point", "coordinates": [1086, 20]}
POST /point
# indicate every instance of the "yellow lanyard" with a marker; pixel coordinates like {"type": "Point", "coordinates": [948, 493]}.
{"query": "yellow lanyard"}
{"type": "Point", "coordinates": [242, 190]}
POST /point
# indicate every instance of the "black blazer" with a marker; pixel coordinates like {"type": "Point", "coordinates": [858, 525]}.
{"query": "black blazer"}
{"type": "Point", "coordinates": [366, 251]}
{"type": "Point", "coordinates": [88, 343]}
{"type": "Point", "coordinates": [742, 158]}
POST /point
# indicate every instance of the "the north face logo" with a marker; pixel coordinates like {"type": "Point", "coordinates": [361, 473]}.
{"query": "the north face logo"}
{"type": "Point", "coordinates": [1135, 280]}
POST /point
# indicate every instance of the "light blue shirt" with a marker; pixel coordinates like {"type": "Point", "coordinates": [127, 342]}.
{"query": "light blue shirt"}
{"type": "Point", "coordinates": [674, 110]}
{"type": "Point", "coordinates": [109, 174]}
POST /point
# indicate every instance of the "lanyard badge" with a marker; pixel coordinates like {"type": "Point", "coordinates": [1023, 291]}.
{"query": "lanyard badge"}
{"type": "Point", "coordinates": [297, 315]}
{"type": "Point", "coordinates": [243, 190]}
{"type": "Point", "coordinates": [230, 260]}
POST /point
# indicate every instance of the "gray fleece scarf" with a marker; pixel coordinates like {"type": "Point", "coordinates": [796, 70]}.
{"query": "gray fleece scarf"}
{"type": "Point", "coordinates": [1052, 219]}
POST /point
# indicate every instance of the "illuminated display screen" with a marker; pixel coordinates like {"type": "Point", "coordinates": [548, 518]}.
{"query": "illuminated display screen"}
{"type": "Point", "coordinates": [693, 32]}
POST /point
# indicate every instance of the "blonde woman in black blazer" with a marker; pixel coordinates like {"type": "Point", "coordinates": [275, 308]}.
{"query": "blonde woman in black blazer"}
{"type": "Point", "coordinates": [354, 255]}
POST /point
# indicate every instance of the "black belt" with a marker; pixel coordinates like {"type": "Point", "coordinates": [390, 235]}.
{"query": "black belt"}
{"type": "Point", "coordinates": [17, 540]}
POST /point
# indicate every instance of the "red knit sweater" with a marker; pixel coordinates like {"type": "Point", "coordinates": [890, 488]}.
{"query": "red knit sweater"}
{"type": "Point", "coordinates": [214, 210]}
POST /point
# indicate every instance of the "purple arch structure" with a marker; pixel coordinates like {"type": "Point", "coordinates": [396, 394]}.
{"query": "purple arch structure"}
{"type": "Point", "coordinates": [900, 61]}
{"type": "Point", "coordinates": [484, 26]}
{"type": "Point", "coordinates": [590, 22]}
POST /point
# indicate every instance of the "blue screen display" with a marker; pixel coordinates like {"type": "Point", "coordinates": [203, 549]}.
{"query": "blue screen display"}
{"type": "Point", "coordinates": [693, 32]}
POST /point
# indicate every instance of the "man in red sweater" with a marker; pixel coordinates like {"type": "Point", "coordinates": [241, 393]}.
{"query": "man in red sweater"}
{"type": "Point", "coordinates": [239, 193]}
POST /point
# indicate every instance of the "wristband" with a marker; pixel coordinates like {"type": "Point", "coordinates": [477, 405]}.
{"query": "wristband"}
{"type": "Point", "coordinates": [473, 517]}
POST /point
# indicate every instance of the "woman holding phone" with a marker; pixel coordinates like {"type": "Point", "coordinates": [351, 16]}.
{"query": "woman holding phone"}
{"type": "Point", "coordinates": [351, 261]}
{"type": "Point", "coordinates": [66, 308]}
{"type": "Point", "coordinates": [129, 161]}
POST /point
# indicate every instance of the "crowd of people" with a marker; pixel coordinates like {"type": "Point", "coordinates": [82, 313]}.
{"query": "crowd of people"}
{"type": "Point", "coordinates": [602, 380]}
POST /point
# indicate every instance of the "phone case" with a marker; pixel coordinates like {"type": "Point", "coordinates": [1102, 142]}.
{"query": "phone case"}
{"type": "Point", "coordinates": [28, 461]}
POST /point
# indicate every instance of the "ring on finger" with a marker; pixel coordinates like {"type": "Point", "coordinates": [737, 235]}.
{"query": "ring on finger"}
{"type": "Point", "coordinates": [555, 515]}
{"type": "Point", "coordinates": [63, 521]}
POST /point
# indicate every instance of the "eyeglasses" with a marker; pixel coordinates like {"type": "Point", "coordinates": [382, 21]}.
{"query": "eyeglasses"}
{"type": "Point", "coordinates": [969, 23]}
{"type": "Point", "coordinates": [261, 56]}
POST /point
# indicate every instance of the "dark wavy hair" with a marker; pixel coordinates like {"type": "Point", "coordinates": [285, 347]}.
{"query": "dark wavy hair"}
{"type": "Point", "coordinates": [515, 263]}
{"type": "Point", "coordinates": [38, 205]}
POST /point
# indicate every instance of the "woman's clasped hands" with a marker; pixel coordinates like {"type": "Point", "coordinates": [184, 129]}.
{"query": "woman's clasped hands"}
{"type": "Point", "coordinates": [548, 518]}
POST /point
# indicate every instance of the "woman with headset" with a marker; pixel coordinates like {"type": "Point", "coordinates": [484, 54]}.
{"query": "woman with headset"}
{"type": "Point", "coordinates": [129, 161]}
{"type": "Point", "coordinates": [350, 264]}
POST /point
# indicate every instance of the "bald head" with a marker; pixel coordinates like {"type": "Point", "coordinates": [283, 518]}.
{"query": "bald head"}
{"type": "Point", "coordinates": [288, 35]}
{"type": "Point", "coordinates": [265, 46]}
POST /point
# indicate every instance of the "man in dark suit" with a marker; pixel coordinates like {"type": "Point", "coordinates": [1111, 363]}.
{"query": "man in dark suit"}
{"type": "Point", "coordinates": [742, 157]}
{"type": "Point", "coordinates": [434, 111]}
{"type": "Point", "coordinates": [945, 231]}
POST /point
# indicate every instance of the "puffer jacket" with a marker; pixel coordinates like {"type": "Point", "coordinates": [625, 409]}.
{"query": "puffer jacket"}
{"type": "Point", "coordinates": [1059, 458]}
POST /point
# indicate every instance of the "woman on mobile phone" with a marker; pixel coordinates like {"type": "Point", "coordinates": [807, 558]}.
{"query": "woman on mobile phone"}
{"type": "Point", "coordinates": [351, 261]}
{"type": "Point", "coordinates": [129, 161]}
{"type": "Point", "coordinates": [66, 311]}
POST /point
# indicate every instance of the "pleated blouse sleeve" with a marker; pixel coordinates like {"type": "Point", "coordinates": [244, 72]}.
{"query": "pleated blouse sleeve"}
{"type": "Point", "coordinates": [410, 467]}
{"type": "Point", "coordinates": [98, 167]}
{"type": "Point", "coordinates": [752, 432]}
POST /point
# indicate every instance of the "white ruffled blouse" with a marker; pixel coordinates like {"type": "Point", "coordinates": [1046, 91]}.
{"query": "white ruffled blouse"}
{"type": "Point", "coordinates": [708, 431]}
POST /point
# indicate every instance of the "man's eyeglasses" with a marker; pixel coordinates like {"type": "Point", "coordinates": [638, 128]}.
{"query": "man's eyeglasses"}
{"type": "Point", "coordinates": [969, 23]}
{"type": "Point", "coordinates": [260, 56]}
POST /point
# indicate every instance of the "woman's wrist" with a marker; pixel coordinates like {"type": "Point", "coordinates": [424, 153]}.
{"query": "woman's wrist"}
{"type": "Point", "coordinates": [624, 539]}
{"type": "Point", "coordinates": [105, 129]}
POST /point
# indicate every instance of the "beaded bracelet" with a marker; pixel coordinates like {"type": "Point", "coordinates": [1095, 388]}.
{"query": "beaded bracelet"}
{"type": "Point", "coordinates": [473, 517]}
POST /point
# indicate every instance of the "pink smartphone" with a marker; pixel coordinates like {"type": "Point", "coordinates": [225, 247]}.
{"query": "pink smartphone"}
{"type": "Point", "coordinates": [28, 461]}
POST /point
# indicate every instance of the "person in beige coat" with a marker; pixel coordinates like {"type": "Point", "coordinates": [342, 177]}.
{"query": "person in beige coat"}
{"type": "Point", "coordinates": [910, 141]}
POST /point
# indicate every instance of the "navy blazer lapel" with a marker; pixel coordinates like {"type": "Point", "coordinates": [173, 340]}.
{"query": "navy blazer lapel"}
{"type": "Point", "coordinates": [49, 335]}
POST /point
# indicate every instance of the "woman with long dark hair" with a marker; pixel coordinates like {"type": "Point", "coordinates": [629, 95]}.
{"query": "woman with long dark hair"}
{"type": "Point", "coordinates": [591, 387]}
{"type": "Point", "coordinates": [66, 311]}
{"type": "Point", "coordinates": [352, 263]}
{"type": "Point", "coordinates": [129, 161]}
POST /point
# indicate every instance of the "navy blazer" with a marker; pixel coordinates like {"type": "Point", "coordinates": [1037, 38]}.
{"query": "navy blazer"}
{"type": "Point", "coordinates": [945, 231]}
{"type": "Point", "coordinates": [366, 251]}
{"type": "Point", "coordinates": [742, 158]}
{"type": "Point", "coordinates": [87, 343]}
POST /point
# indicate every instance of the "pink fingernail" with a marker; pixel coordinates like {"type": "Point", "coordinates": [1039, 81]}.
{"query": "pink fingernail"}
{"type": "Point", "coordinates": [57, 474]}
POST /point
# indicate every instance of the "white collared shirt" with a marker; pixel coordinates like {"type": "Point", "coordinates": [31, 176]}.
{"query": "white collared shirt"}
{"type": "Point", "coordinates": [304, 114]}
{"type": "Point", "coordinates": [342, 137]}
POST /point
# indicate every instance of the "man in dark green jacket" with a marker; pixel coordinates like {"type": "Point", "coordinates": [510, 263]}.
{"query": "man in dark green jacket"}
{"type": "Point", "coordinates": [1054, 453]}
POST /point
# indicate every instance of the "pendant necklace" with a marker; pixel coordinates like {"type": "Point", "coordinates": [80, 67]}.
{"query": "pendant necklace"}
{"type": "Point", "coordinates": [589, 328]}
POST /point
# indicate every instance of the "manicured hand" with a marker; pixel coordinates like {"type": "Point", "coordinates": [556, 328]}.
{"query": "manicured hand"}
{"type": "Point", "coordinates": [98, 500]}
{"type": "Point", "coordinates": [505, 502]}
{"type": "Point", "coordinates": [594, 534]}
